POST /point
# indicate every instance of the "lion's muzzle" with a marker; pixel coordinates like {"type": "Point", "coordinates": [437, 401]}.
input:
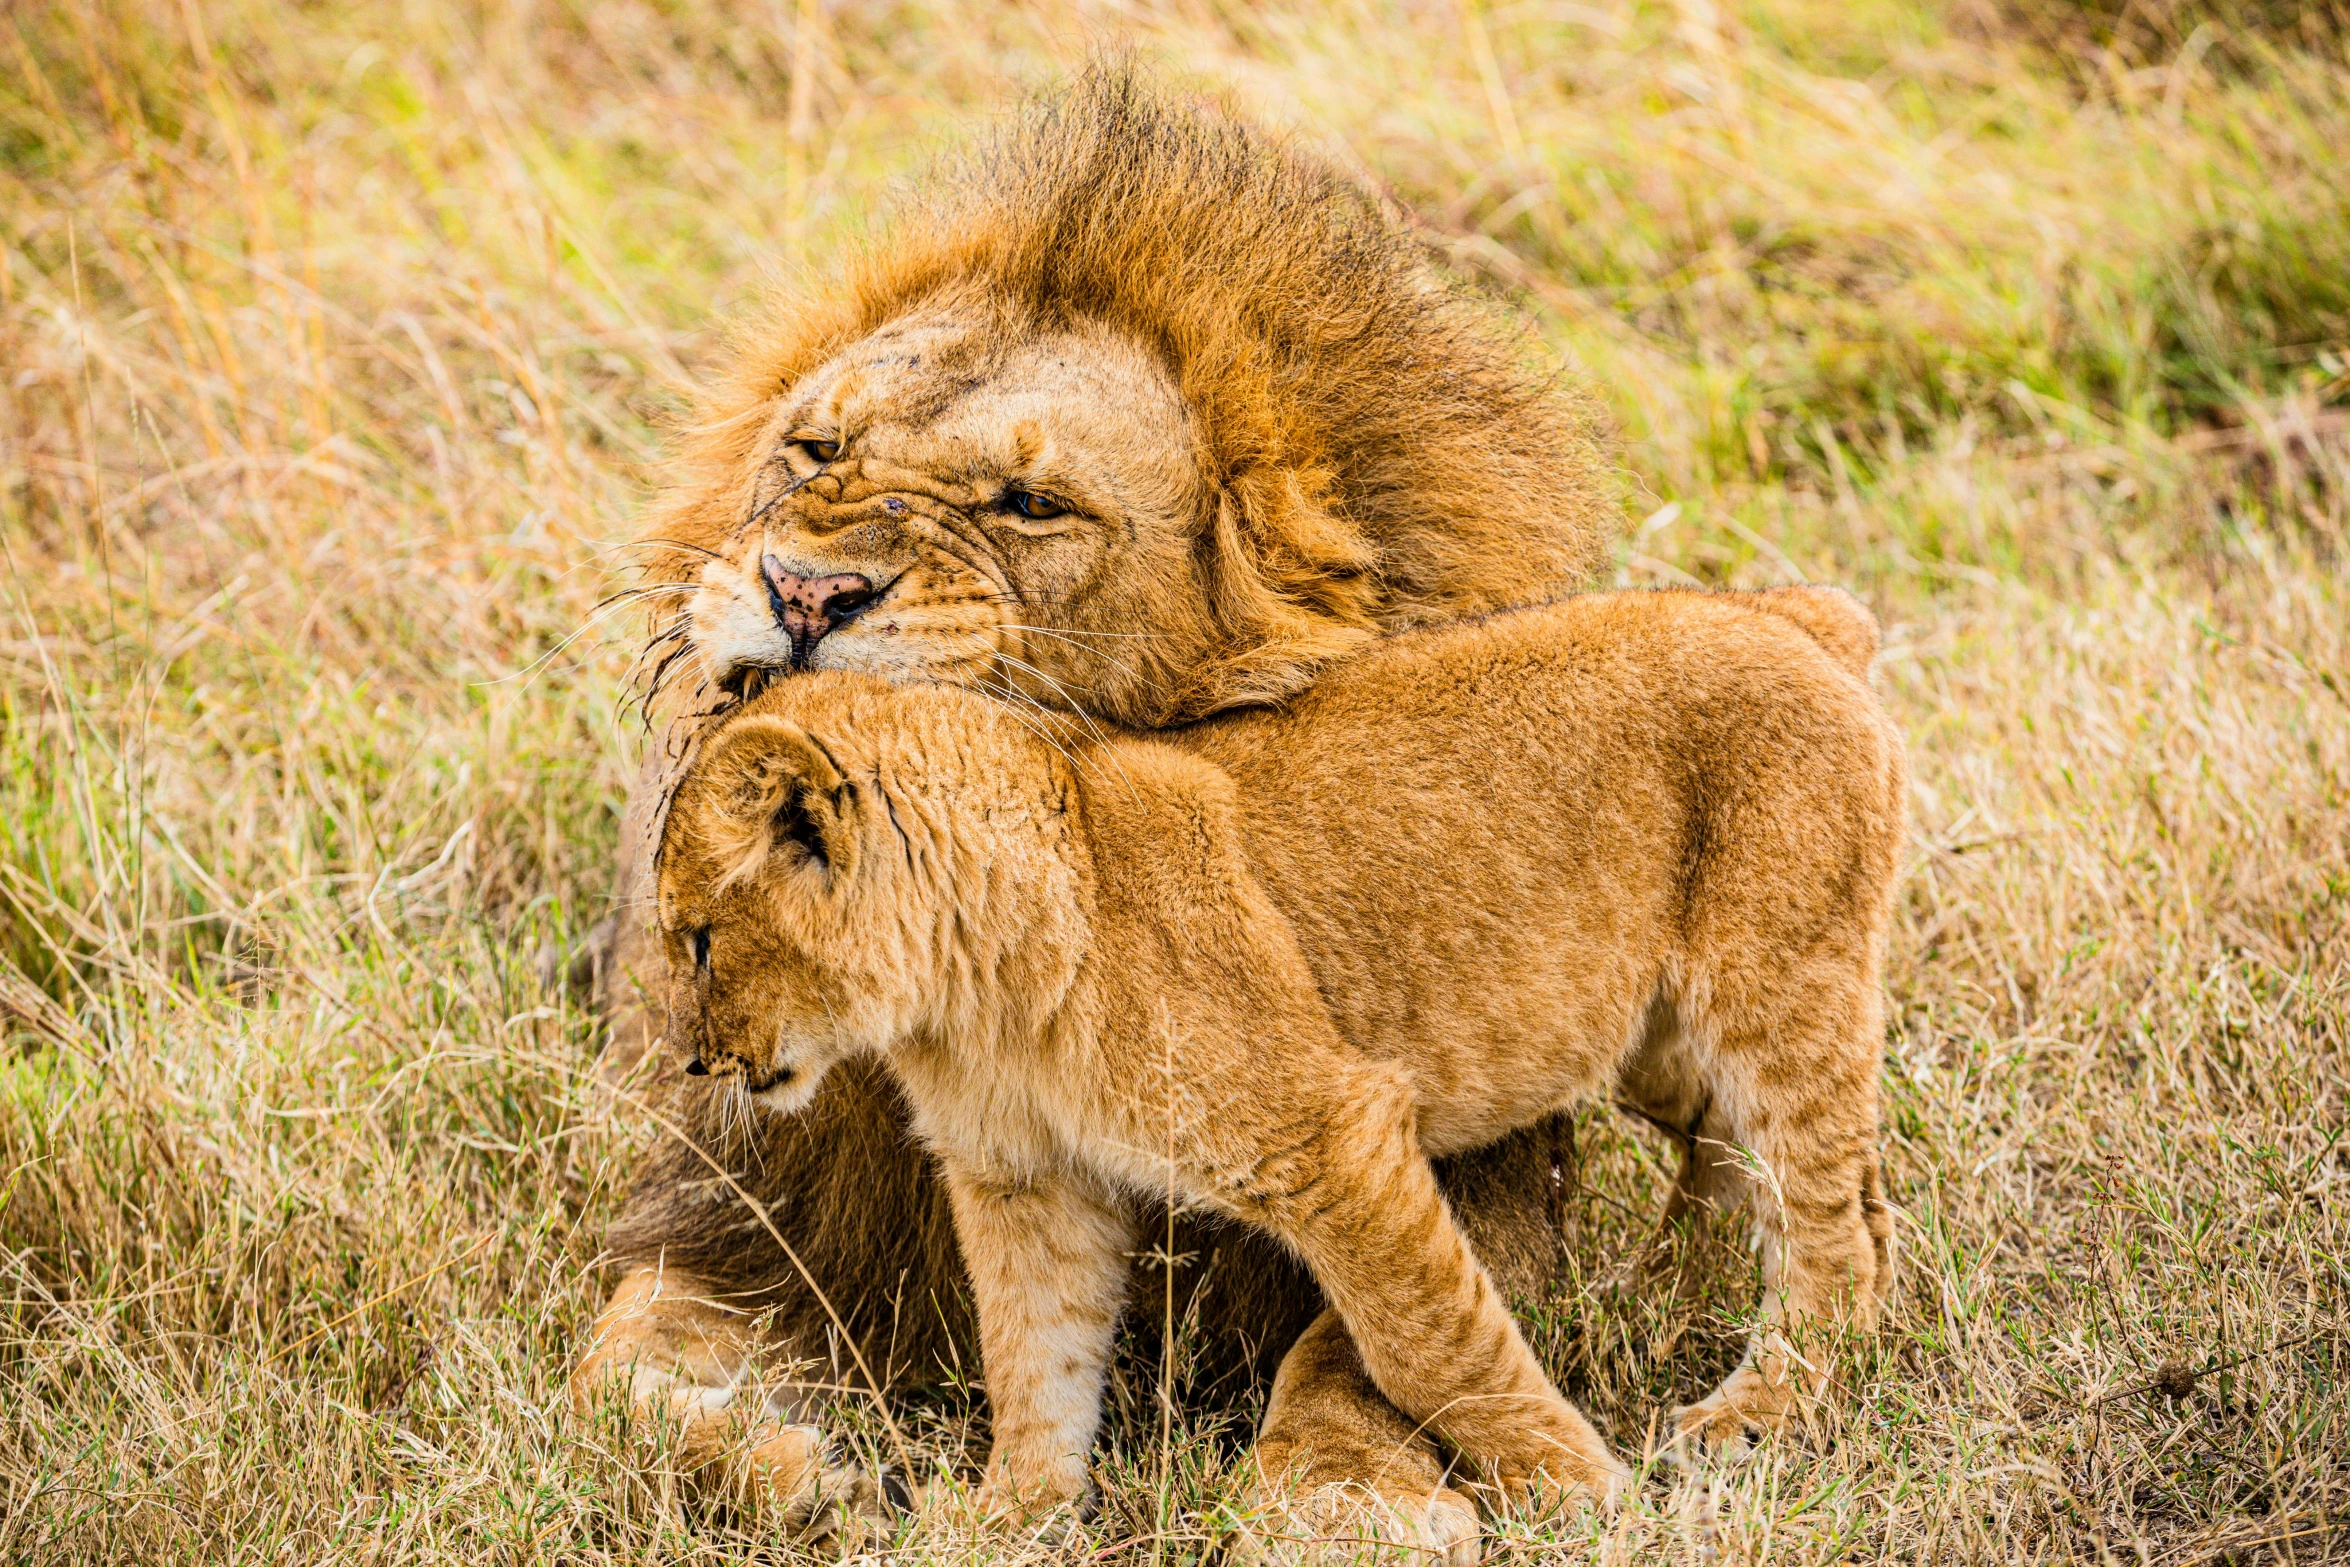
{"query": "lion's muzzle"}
{"type": "Point", "coordinates": [808, 608]}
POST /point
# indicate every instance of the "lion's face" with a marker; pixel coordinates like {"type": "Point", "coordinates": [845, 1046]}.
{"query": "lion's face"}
{"type": "Point", "coordinates": [1136, 412]}
{"type": "Point", "coordinates": [945, 501]}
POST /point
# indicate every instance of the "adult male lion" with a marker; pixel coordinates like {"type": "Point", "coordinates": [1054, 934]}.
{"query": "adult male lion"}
{"type": "Point", "coordinates": [1138, 412]}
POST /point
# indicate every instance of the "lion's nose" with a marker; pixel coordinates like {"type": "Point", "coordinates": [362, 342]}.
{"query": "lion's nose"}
{"type": "Point", "coordinates": [808, 607]}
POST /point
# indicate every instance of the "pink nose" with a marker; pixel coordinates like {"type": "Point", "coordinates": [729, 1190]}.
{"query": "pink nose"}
{"type": "Point", "coordinates": [808, 607]}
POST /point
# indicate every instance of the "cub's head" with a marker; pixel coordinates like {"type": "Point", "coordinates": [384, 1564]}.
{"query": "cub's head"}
{"type": "Point", "coordinates": [1136, 411]}
{"type": "Point", "coordinates": [834, 860]}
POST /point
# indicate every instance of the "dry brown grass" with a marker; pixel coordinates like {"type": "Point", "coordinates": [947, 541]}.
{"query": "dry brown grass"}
{"type": "Point", "coordinates": [331, 343]}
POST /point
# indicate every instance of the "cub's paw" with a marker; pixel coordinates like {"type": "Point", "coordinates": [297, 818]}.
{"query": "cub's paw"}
{"type": "Point", "coordinates": [994, 1509]}
{"type": "Point", "coordinates": [1565, 1482]}
{"type": "Point", "coordinates": [1731, 1422]}
{"type": "Point", "coordinates": [1349, 1521]}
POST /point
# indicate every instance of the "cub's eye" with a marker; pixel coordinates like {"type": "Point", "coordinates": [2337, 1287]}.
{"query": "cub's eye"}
{"type": "Point", "coordinates": [818, 448]}
{"type": "Point", "coordinates": [1035, 507]}
{"type": "Point", "coordinates": [702, 948]}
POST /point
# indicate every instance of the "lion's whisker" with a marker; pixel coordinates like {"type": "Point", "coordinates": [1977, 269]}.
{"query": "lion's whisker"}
{"type": "Point", "coordinates": [594, 617]}
{"type": "Point", "coordinates": [660, 677]}
{"type": "Point", "coordinates": [1058, 688]}
{"type": "Point", "coordinates": [1082, 648]}
{"type": "Point", "coordinates": [1072, 631]}
{"type": "Point", "coordinates": [1012, 696]}
{"type": "Point", "coordinates": [659, 543]}
{"type": "Point", "coordinates": [1083, 716]}
{"type": "Point", "coordinates": [674, 632]}
{"type": "Point", "coordinates": [1027, 601]}
{"type": "Point", "coordinates": [645, 590]}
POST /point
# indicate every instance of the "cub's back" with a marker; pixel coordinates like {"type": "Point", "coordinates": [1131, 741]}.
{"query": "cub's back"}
{"type": "Point", "coordinates": [1548, 803]}
{"type": "Point", "coordinates": [1599, 707]}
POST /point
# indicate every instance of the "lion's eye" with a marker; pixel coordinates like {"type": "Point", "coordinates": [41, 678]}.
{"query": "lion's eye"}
{"type": "Point", "coordinates": [821, 450]}
{"type": "Point", "coordinates": [1033, 506]}
{"type": "Point", "coordinates": [702, 948]}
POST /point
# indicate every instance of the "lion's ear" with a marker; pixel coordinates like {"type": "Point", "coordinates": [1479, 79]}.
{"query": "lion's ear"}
{"type": "Point", "coordinates": [1293, 589]}
{"type": "Point", "coordinates": [777, 790]}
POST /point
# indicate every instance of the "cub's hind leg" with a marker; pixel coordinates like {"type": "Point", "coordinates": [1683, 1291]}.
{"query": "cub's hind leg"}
{"type": "Point", "coordinates": [1341, 1470]}
{"type": "Point", "coordinates": [1665, 1085]}
{"type": "Point", "coordinates": [1794, 1091]}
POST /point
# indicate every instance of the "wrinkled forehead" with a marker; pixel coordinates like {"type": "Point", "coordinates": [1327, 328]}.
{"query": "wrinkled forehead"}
{"type": "Point", "coordinates": [940, 387]}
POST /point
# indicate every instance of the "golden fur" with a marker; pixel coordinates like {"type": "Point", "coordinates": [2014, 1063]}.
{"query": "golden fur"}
{"type": "Point", "coordinates": [1280, 437]}
{"type": "Point", "coordinates": [1633, 844]}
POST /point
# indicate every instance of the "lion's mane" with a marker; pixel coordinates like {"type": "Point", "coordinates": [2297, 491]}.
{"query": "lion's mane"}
{"type": "Point", "coordinates": [1386, 454]}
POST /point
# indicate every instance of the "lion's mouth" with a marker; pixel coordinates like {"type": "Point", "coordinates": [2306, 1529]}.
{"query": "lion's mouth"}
{"type": "Point", "coordinates": [747, 681]}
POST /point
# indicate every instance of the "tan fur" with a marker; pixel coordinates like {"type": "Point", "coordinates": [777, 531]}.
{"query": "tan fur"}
{"type": "Point", "coordinates": [1637, 843]}
{"type": "Point", "coordinates": [1282, 436]}
{"type": "Point", "coordinates": [691, 1357]}
{"type": "Point", "coordinates": [1342, 1463]}
{"type": "Point", "coordinates": [1277, 434]}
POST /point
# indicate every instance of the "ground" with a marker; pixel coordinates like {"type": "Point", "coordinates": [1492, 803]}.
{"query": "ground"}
{"type": "Point", "coordinates": [335, 343]}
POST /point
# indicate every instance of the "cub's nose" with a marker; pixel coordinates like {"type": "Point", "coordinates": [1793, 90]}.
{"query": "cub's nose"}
{"type": "Point", "coordinates": [808, 607]}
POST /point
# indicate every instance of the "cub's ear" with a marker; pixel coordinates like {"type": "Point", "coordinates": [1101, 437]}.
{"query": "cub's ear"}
{"type": "Point", "coordinates": [777, 787]}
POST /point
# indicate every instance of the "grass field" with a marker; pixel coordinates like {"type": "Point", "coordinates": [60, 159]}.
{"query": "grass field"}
{"type": "Point", "coordinates": [334, 345]}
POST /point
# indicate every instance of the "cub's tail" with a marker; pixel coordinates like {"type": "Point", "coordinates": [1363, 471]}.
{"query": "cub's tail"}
{"type": "Point", "coordinates": [1836, 620]}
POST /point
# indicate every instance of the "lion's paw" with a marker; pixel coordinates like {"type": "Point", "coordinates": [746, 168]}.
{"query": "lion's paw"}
{"type": "Point", "coordinates": [1348, 1521]}
{"type": "Point", "coordinates": [795, 1479]}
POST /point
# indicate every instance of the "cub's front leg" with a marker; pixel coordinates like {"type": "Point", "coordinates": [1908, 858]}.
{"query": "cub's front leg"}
{"type": "Point", "coordinates": [1340, 1176]}
{"type": "Point", "coordinates": [1048, 1266]}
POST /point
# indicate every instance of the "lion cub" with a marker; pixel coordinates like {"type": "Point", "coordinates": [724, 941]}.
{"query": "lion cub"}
{"type": "Point", "coordinates": [1634, 844]}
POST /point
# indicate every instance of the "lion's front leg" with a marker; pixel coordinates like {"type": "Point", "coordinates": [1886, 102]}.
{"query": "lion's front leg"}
{"type": "Point", "coordinates": [1341, 1472]}
{"type": "Point", "coordinates": [1048, 1266]}
{"type": "Point", "coordinates": [685, 1356]}
{"type": "Point", "coordinates": [626, 970]}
